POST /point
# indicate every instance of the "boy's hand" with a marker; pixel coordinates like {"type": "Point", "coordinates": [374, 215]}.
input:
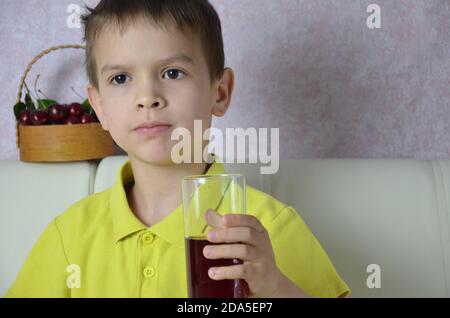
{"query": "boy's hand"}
{"type": "Point", "coordinates": [251, 245]}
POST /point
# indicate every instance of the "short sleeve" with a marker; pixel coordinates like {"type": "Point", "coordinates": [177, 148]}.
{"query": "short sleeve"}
{"type": "Point", "coordinates": [44, 272]}
{"type": "Point", "coordinates": [301, 258]}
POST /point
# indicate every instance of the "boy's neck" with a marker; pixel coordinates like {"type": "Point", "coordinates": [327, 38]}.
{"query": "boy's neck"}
{"type": "Point", "coordinates": [156, 190]}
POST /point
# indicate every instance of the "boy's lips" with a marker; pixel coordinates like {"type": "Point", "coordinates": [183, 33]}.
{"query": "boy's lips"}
{"type": "Point", "coordinates": [151, 124]}
{"type": "Point", "coordinates": [152, 128]}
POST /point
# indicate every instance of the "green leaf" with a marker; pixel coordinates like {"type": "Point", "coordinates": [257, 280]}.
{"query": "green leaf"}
{"type": "Point", "coordinates": [28, 98]}
{"type": "Point", "coordinates": [86, 103]}
{"type": "Point", "coordinates": [18, 108]}
{"type": "Point", "coordinates": [87, 107]}
{"type": "Point", "coordinates": [45, 103]}
{"type": "Point", "coordinates": [29, 102]}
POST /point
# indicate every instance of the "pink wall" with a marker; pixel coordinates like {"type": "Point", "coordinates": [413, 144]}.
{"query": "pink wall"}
{"type": "Point", "coordinates": [312, 68]}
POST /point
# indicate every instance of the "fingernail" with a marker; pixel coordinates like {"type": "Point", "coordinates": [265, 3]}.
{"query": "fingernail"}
{"type": "Point", "coordinates": [208, 251]}
{"type": "Point", "coordinates": [212, 272]}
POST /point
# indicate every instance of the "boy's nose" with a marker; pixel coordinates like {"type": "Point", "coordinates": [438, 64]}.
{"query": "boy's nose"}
{"type": "Point", "coordinates": [148, 95]}
{"type": "Point", "coordinates": [155, 104]}
{"type": "Point", "coordinates": [150, 102]}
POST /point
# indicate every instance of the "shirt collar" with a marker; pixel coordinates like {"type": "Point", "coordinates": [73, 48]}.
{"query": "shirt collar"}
{"type": "Point", "coordinates": [125, 223]}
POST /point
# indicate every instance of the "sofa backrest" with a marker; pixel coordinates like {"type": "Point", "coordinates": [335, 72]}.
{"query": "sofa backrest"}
{"type": "Point", "coordinates": [31, 195]}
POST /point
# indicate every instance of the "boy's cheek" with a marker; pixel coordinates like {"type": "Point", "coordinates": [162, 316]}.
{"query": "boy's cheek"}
{"type": "Point", "coordinates": [111, 94]}
{"type": "Point", "coordinates": [114, 101]}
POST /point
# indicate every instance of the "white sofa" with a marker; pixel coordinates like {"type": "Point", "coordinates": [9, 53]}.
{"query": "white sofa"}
{"type": "Point", "coordinates": [393, 213]}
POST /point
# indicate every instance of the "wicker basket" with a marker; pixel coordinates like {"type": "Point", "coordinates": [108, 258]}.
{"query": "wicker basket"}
{"type": "Point", "coordinates": [57, 143]}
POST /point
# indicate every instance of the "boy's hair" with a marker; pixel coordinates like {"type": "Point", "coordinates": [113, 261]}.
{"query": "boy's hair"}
{"type": "Point", "coordinates": [197, 16]}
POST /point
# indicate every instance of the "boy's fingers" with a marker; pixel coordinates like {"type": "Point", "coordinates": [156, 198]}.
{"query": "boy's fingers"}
{"type": "Point", "coordinates": [235, 220]}
{"type": "Point", "coordinates": [243, 252]}
{"type": "Point", "coordinates": [229, 272]}
{"type": "Point", "coordinates": [213, 218]}
{"type": "Point", "coordinates": [246, 235]}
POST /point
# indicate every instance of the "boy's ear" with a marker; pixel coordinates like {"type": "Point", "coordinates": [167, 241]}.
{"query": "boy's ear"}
{"type": "Point", "coordinates": [224, 90]}
{"type": "Point", "coordinates": [95, 101]}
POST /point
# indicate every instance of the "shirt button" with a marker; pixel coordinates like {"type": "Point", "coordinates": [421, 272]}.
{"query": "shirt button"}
{"type": "Point", "coordinates": [149, 271]}
{"type": "Point", "coordinates": [147, 238]}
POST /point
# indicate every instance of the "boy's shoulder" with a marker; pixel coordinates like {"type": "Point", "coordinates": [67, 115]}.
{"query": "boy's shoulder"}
{"type": "Point", "coordinates": [85, 213]}
{"type": "Point", "coordinates": [264, 206]}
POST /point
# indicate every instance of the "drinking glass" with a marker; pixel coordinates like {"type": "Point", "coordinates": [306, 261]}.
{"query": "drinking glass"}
{"type": "Point", "coordinates": [225, 193]}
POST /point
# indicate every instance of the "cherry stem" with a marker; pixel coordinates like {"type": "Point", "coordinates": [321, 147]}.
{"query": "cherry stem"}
{"type": "Point", "coordinates": [42, 94]}
{"type": "Point", "coordinates": [35, 92]}
{"type": "Point", "coordinates": [29, 94]}
{"type": "Point", "coordinates": [73, 90]}
{"type": "Point", "coordinates": [27, 89]}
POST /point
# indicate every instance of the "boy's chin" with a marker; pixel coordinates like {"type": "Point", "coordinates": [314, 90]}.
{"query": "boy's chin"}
{"type": "Point", "coordinates": [156, 157]}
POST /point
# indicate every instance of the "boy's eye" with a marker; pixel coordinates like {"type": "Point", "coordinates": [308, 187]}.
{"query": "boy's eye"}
{"type": "Point", "coordinates": [119, 79]}
{"type": "Point", "coordinates": [173, 73]}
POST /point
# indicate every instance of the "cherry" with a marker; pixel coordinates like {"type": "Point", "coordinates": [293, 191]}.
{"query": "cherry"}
{"type": "Point", "coordinates": [75, 109]}
{"type": "Point", "coordinates": [72, 120]}
{"type": "Point", "coordinates": [25, 117]}
{"type": "Point", "coordinates": [39, 117]}
{"type": "Point", "coordinates": [57, 113]}
{"type": "Point", "coordinates": [86, 118]}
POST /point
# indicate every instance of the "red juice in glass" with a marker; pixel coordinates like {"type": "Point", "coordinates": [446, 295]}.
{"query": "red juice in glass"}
{"type": "Point", "coordinates": [200, 284]}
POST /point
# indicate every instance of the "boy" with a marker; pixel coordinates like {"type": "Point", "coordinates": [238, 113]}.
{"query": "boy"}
{"type": "Point", "coordinates": [159, 65]}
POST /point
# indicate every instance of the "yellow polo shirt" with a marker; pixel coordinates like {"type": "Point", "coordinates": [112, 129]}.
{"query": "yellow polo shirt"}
{"type": "Point", "coordinates": [98, 248]}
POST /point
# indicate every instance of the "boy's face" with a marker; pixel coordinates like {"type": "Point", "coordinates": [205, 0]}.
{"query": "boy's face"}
{"type": "Point", "coordinates": [146, 87]}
